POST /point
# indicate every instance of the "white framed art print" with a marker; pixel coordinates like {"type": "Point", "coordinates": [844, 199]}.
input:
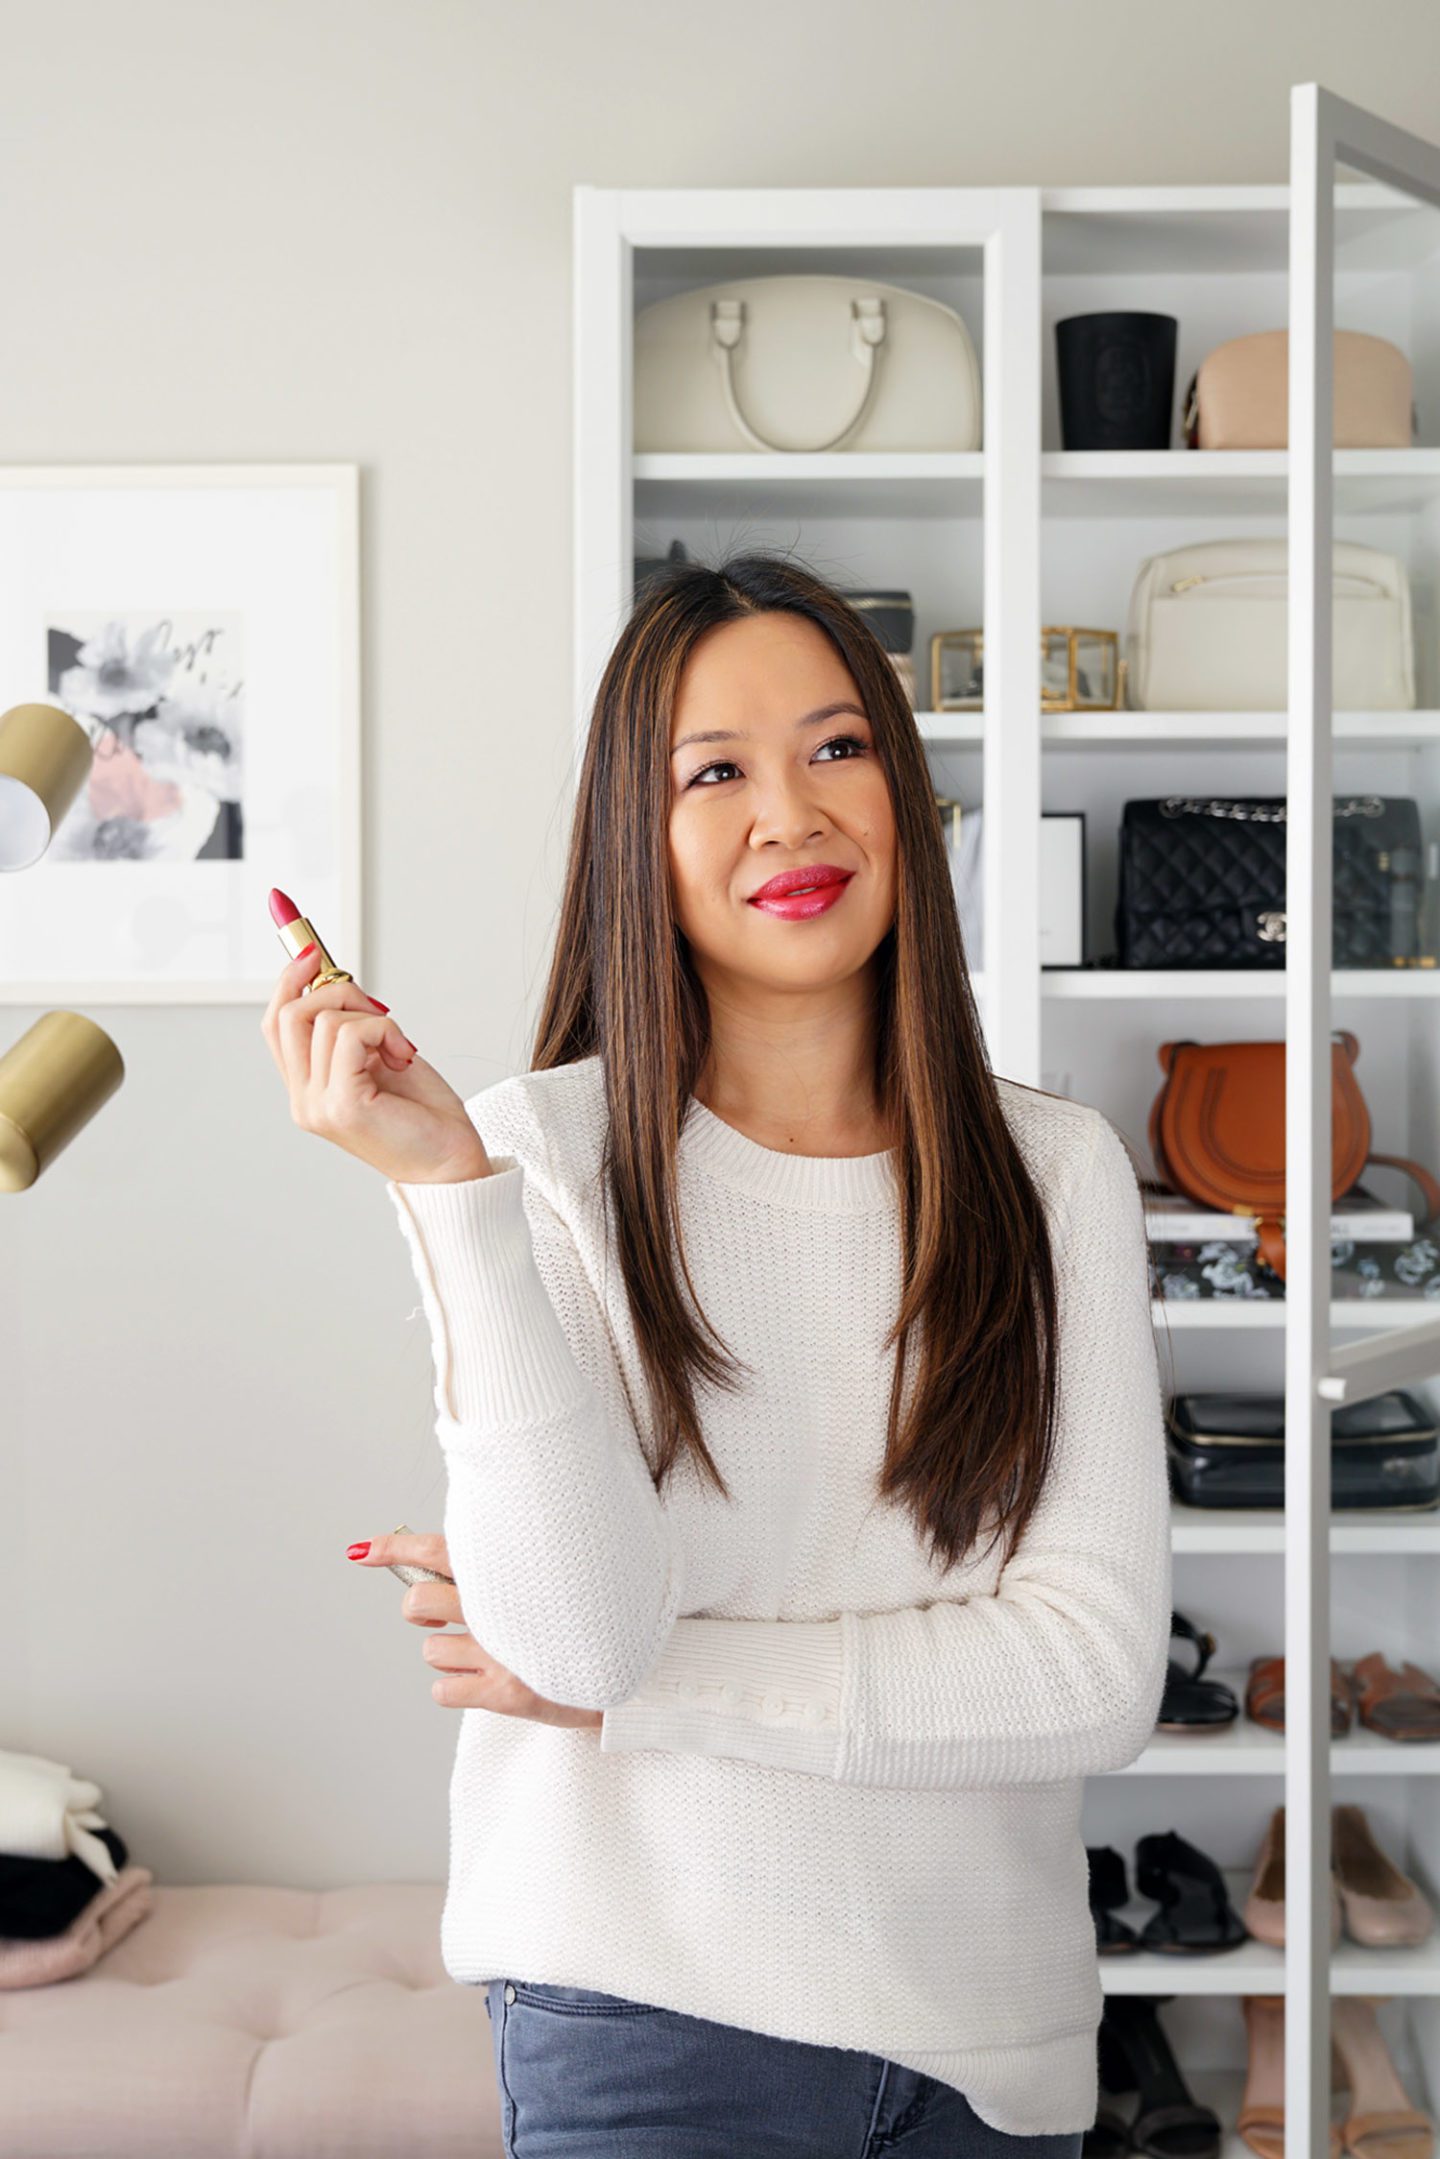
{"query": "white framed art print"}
{"type": "Point", "coordinates": [201, 622]}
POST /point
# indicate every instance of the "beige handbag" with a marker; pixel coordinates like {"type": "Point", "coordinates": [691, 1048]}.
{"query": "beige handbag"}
{"type": "Point", "coordinates": [1239, 397]}
{"type": "Point", "coordinates": [1206, 630]}
{"type": "Point", "coordinates": [804, 363]}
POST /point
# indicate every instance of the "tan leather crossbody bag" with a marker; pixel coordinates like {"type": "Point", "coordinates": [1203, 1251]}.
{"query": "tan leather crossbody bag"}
{"type": "Point", "coordinates": [1217, 1132]}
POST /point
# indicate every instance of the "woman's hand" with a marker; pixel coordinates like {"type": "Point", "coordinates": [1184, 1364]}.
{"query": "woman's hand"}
{"type": "Point", "coordinates": [468, 1677]}
{"type": "Point", "coordinates": [355, 1080]}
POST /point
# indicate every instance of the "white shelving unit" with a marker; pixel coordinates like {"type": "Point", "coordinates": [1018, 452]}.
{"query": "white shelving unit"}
{"type": "Point", "coordinates": [1024, 532]}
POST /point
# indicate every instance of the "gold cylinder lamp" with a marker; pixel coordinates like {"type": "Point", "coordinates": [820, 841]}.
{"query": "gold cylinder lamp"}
{"type": "Point", "coordinates": [64, 1068]}
{"type": "Point", "coordinates": [45, 759]}
{"type": "Point", "coordinates": [52, 1082]}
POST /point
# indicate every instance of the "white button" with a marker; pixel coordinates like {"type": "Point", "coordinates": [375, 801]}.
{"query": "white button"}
{"type": "Point", "coordinates": [774, 1705]}
{"type": "Point", "coordinates": [687, 1690]}
{"type": "Point", "coordinates": [814, 1714]}
{"type": "Point", "coordinates": [730, 1695]}
{"type": "Point", "coordinates": [509, 1993]}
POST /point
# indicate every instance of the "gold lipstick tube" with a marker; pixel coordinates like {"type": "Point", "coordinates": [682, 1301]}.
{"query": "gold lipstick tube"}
{"type": "Point", "coordinates": [299, 933]}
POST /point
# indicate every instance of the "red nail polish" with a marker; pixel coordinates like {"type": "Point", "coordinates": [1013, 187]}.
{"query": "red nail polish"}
{"type": "Point", "coordinates": [308, 948]}
{"type": "Point", "coordinates": [358, 1551]}
{"type": "Point", "coordinates": [377, 1004]}
{"type": "Point", "coordinates": [407, 1038]}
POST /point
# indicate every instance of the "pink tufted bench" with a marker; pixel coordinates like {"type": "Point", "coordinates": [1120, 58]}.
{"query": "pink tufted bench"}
{"type": "Point", "coordinates": [254, 2023]}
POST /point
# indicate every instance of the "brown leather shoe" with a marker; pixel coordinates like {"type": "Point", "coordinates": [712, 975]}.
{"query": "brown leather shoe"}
{"type": "Point", "coordinates": [1265, 1696]}
{"type": "Point", "coordinates": [1403, 1704]}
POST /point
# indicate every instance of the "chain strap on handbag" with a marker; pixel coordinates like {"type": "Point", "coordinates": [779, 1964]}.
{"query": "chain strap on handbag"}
{"type": "Point", "coordinates": [1217, 1132]}
{"type": "Point", "coordinates": [1202, 882]}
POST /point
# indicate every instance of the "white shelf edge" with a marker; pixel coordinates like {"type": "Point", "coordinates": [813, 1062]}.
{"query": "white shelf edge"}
{"type": "Point", "coordinates": [1365, 1312]}
{"type": "Point", "coordinates": [1247, 1749]}
{"type": "Point", "coordinates": [1188, 730]}
{"type": "Point", "coordinates": [1259, 1967]}
{"type": "Point", "coordinates": [1114, 984]}
{"type": "Point", "coordinates": [1238, 1531]}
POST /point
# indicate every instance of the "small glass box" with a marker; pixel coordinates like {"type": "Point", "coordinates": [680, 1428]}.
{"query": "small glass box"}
{"type": "Point", "coordinates": [1079, 670]}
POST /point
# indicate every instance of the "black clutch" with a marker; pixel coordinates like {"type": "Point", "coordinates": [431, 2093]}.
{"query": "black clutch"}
{"type": "Point", "coordinates": [1202, 882]}
{"type": "Point", "coordinates": [1228, 1450]}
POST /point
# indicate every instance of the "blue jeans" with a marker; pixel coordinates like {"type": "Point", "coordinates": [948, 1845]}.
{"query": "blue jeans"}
{"type": "Point", "coordinates": [584, 2075]}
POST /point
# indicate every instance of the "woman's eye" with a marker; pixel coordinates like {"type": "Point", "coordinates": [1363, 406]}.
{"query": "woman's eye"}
{"type": "Point", "coordinates": [726, 764]}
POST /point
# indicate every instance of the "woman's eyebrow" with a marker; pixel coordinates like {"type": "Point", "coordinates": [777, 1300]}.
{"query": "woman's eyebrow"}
{"type": "Point", "coordinates": [809, 719]}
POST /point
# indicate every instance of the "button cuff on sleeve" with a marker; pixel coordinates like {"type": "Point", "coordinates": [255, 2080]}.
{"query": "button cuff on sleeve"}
{"type": "Point", "coordinates": [757, 1690]}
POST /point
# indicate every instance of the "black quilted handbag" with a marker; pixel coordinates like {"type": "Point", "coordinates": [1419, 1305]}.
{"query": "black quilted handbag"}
{"type": "Point", "coordinates": [1202, 882]}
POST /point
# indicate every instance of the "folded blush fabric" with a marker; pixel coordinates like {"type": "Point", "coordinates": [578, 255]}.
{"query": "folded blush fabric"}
{"type": "Point", "coordinates": [106, 1919]}
{"type": "Point", "coordinates": [67, 1890]}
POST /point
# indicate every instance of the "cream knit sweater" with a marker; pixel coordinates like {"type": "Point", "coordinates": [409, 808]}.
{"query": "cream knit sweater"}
{"type": "Point", "coordinates": [836, 1793]}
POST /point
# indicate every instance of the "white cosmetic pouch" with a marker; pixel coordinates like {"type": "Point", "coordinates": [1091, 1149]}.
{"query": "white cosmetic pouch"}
{"type": "Point", "coordinates": [1206, 629]}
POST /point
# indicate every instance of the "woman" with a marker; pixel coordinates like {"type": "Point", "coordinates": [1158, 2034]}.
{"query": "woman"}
{"type": "Point", "coordinates": [807, 1504]}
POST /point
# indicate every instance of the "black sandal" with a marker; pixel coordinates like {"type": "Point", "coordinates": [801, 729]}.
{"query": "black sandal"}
{"type": "Point", "coordinates": [1108, 1891]}
{"type": "Point", "coordinates": [1195, 1909]}
{"type": "Point", "coordinates": [1191, 1702]}
{"type": "Point", "coordinates": [1134, 2054]}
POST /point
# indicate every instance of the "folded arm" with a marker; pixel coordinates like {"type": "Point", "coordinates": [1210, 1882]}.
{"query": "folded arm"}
{"type": "Point", "coordinates": [564, 1558]}
{"type": "Point", "coordinates": [1059, 1672]}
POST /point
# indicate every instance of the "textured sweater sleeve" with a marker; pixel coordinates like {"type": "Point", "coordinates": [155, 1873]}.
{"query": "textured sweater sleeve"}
{"type": "Point", "coordinates": [1057, 1674]}
{"type": "Point", "coordinates": [563, 1556]}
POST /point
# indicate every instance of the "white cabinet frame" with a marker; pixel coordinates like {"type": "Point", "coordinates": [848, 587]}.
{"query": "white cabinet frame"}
{"type": "Point", "coordinates": [1006, 227]}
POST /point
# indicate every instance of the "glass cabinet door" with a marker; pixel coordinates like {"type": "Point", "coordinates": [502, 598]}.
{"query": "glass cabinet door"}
{"type": "Point", "coordinates": [1363, 791]}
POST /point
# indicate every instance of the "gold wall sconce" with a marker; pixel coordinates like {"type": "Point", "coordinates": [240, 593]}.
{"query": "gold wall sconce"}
{"type": "Point", "coordinates": [65, 1067]}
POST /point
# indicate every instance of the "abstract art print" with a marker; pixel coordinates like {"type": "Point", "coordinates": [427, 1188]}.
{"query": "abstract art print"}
{"type": "Point", "coordinates": [163, 702]}
{"type": "Point", "coordinates": [201, 625]}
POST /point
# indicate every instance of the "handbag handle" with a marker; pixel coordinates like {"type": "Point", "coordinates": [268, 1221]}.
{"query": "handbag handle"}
{"type": "Point", "coordinates": [727, 325]}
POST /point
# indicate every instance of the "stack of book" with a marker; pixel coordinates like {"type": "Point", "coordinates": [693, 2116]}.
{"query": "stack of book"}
{"type": "Point", "coordinates": [1374, 1251]}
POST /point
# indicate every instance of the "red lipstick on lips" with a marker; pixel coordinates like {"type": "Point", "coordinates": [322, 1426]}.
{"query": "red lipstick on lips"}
{"type": "Point", "coordinates": [795, 895]}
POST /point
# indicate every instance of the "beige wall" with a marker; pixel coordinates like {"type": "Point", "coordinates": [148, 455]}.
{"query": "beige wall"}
{"type": "Point", "coordinates": [340, 229]}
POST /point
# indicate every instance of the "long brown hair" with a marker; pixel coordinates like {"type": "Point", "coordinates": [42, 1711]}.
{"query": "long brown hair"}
{"type": "Point", "coordinates": [976, 1271]}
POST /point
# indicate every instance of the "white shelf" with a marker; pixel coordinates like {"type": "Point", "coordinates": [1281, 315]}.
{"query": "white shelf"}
{"type": "Point", "coordinates": [1077, 483]}
{"type": "Point", "coordinates": [837, 483]}
{"type": "Point", "coordinates": [1188, 231]}
{"type": "Point", "coordinates": [1246, 1530]}
{"type": "Point", "coordinates": [1110, 984]}
{"type": "Point", "coordinates": [1228, 730]}
{"type": "Point", "coordinates": [1230, 483]}
{"type": "Point", "coordinates": [1247, 1749]}
{"type": "Point", "coordinates": [1187, 730]}
{"type": "Point", "coordinates": [1367, 1313]}
{"type": "Point", "coordinates": [1254, 1967]}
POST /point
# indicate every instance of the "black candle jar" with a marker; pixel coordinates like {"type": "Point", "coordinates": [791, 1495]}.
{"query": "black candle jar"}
{"type": "Point", "coordinates": [1117, 380]}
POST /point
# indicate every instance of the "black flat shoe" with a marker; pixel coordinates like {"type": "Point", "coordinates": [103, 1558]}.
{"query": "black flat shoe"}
{"type": "Point", "coordinates": [1108, 1892]}
{"type": "Point", "coordinates": [1192, 1703]}
{"type": "Point", "coordinates": [1195, 1909]}
{"type": "Point", "coordinates": [1134, 2055]}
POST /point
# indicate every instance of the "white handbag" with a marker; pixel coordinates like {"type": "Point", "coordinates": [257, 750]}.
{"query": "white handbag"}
{"type": "Point", "coordinates": [801, 364]}
{"type": "Point", "coordinates": [1206, 630]}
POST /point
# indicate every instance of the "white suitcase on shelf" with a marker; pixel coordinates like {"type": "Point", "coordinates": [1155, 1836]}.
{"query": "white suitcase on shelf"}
{"type": "Point", "coordinates": [803, 364]}
{"type": "Point", "coordinates": [1206, 630]}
